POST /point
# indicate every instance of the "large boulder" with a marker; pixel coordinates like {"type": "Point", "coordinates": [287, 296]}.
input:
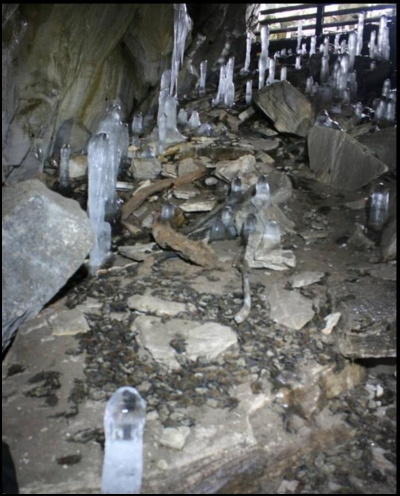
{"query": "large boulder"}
{"type": "Point", "coordinates": [289, 110]}
{"type": "Point", "coordinates": [46, 238]}
{"type": "Point", "coordinates": [340, 160]}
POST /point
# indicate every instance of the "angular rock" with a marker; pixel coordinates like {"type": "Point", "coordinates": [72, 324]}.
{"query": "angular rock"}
{"type": "Point", "coordinates": [43, 234]}
{"type": "Point", "coordinates": [68, 323]}
{"type": "Point", "coordinates": [229, 169]}
{"type": "Point", "coordinates": [340, 160]}
{"type": "Point", "coordinates": [138, 252]}
{"type": "Point", "coordinates": [158, 306]}
{"type": "Point", "coordinates": [186, 165]}
{"type": "Point", "coordinates": [288, 108]}
{"type": "Point", "coordinates": [174, 437]}
{"type": "Point", "coordinates": [305, 278]}
{"type": "Point", "coordinates": [199, 203]}
{"type": "Point", "coordinates": [290, 308]}
{"type": "Point", "coordinates": [144, 168]}
{"type": "Point", "coordinates": [185, 191]}
{"type": "Point", "coordinates": [257, 257]}
{"type": "Point", "coordinates": [200, 339]}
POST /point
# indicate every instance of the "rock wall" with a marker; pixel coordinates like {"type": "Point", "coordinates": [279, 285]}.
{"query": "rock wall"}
{"type": "Point", "coordinates": [63, 62]}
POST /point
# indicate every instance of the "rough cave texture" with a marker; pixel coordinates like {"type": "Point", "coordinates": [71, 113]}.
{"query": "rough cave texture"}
{"type": "Point", "coordinates": [63, 62]}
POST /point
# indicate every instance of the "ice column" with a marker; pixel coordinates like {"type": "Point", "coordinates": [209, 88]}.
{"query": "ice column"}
{"type": "Point", "coordinates": [372, 45]}
{"type": "Point", "coordinates": [164, 91]}
{"type": "Point", "coordinates": [271, 74]}
{"type": "Point", "coordinates": [383, 39]}
{"type": "Point", "coordinates": [313, 45]}
{"type": "Point", "coordinates": [336, 44]}
{"type": "Point", "coordinates": [64, 179]}
{"type": "Point", "coordinates": [229, 97]}
{"type": "Point", "coordinates": [221, 86]}
{"type": "Point", "coordinates": [182, 25]}
{"type": "Point", "coordinates": [111, 125]}
{"type": "Point", "coordinates": [249, 41]}
{"type": "Point", "coordinates": [360, 33]}
{"type": "Point", "coordinates": [352, 49]}
{"type": "Point", "coordinates": [263, 60]}
{"type": "Point", "coordinates": [249, 92]}
{"type": "Point", "coordinates": [299, 35]}
{"type": "Point", "coordinates": [99, 170]}
{"type": "Point", "coordinates": [379, 207]}
{"type": "Point", "coordinates": [324, 69]}
{"type": "Point", "coordinates": [124, 420]}
{"type": "Point", "coordinates": [137, 124]}
{"type": "Point", "coordinates": [203, 74]}
{"type": "Point", "coordinates": [283, 73]}
{"type": "Point", "coordinates": [170, 110]}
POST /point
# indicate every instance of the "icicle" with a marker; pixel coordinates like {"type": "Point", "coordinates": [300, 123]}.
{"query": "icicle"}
{"type": "Point", "coordinates": [299, 35]}
{"type": "Point", "coordinates": [382, 37]}
{"type": "Point", "coordinates": [304, 49]}
{"type": "Point", "coordinates": [283, 73]}
{"type": "Point", "coordinates": [390, 114]}
{"type": "Point", "coordinates": [380, 111]}
{"type": "Point", "coordinates": [298, 62]}
{"type": "Point", "coordinates": [249, 92]}
{"type": "Point", "coordinates": [64, 179]}
{"type": "Point", "coordinates": [313, 45]}
{"type": "Point", "coordinates": [379, 207]}
{"type": "Point", "coordinates": [263, 60]}
{"type": "Point", "coordinates": [173, 135]}
{"type": "Point", "coordinates": [137, 124]}
{"type": "Point", "coordinates": [182, 26]}
{"type": "Point", "coordinates": [203, 74]}
{"type": "Point", "coordinates": [99, 172]}
{"type": "Point", "coordinates": [124, 421]}
{"type": "Point", "coordinates": [249, 41]}
{"type": "Point", "coordinates": [249, 227]}
{"type": "Point", "coordinates": [358, 110]}
{"type": "Point", "coordinates": [386, 87]}
{"type": "Point", "coordinates": [162, 132]}
{"type": "Point", "coordinates": [262, 197]}
{"type": "Point", "coordinates": [164, 91]}
{"type": "Point", "coordinates": [360, 33]}
{"type": "Point", "coordinates": [262, 67]}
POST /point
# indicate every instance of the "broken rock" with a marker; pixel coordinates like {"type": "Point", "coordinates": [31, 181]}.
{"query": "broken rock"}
{"type": "Point", "coordinates": [290, 308]}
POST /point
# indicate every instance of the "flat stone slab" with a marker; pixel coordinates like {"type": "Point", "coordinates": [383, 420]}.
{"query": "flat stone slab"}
{"type": "Point", "coordinates": [305, 278]}
{"type": "Point", "coordinates": [290, 308]}
{"type": "Point", "coordinates": [198, 339]}
{"type": "Point", "coordinates": [151, 304]}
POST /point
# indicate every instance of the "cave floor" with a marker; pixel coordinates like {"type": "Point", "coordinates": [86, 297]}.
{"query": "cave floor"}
{"type": "Point", "coordinates": [259, 418]}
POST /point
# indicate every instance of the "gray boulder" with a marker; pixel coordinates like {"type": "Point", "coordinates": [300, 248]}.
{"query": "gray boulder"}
{"type": "Point", "coordinates": [46, 238]}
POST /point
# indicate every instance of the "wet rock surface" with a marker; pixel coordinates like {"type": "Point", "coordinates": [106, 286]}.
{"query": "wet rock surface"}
{"type": "Point", "coordinates": [299, 397]}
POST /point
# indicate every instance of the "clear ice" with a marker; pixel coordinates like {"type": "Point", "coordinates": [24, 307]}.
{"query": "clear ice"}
{"type": "Point", "coordinates": [167, 212]}
{"type": "Point", "coordinates": [194, 121]}
{"type": "Point", "coordinates": [249, 41]}
{"type": "Point", "coordinates": [203, 75]}
{"type": "Point", "coordinates": [99, 171]}
{"type": "Point", "coordinates": [65, 155]}
{"type": "Point", "coordinates": [249, 227]}
{"type": "Point", "coordinates": [262, 197]}
{"type": "Point", "coordinates": [182, 26]}
{"type": "Point", "coordinates": [283, 73]}
{"type": "Point", "coordinates": [360, 33]}
{"type": "Point", "coordinates": [263, 60]}
{"type": "Point", "coordinates": [137, 124]}
{"type": "Point", "coordinates": [124, 421]}
{"type": "Point", "coordinates": [229, 97]}
{"type": "Point", "coordinates": [249, 92]}
{"type": "Point", "coordinates": [379, 207]}
{"type": "Point", "coordinates": [272, 236]}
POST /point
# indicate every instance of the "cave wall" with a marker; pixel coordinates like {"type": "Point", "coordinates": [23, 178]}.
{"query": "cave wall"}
{"type": "Point", "coordinates": [62, 63]}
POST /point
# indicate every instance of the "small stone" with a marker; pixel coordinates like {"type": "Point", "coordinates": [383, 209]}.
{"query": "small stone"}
{"type": "Point", "coordinates": [330, 321]}
{"type": "Point", "coordinates": [152, 304]}
{"type": "Point", "coordinates": [174, 437]}
{"type": "Point", "coordinates": [305, 278]}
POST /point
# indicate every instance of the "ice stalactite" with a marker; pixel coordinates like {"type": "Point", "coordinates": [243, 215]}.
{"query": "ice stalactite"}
{"type": "Point", "coordinates": [99, 171]}
{"type": "Point", "coordinates": [352, 47]}
{"type": "Point", "coordinates": [299, 36]}
{"type": "Point", "coordinates": [124, 421]}
{"type": "Point", "coordinates": [249, 92]}
{"type": "Point", "coordinates": [164, 92]}
{"type": "Point", "coordinates": [360, 33]}
{"type": "Point", "coordinates": [283, 73]}
{"type": "Point", "coordinates": [182, 26]}
{"type": "Point", "coordinates": [229, 97]}
{"type": "Point", "coordinates": [271, 73]}
{"type": "Point", "coordinates": [383, 48]}
{"type": "Point", "coordinates": [64, 178]}
{"type": "Point", "coordinates": [221, 86]}
{"type": "Point", "coordinates": [263, 60]}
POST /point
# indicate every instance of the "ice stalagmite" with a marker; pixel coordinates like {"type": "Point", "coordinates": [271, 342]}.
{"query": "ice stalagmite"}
{"type": "Point", "coordinates": [124, 420]}
{"type": "Point", "coordinates": [249, 41]}
{"type": "Point", "coordinates": [111, 125]}
{"type": "Point", "coordinates": [99, 170]}
{"type": "Point", "coordinates": [249, 92]}
{"type": "Point", "coordinates": [182, 26]}
{"type": "Point", "coordinates": [203, 74]}
{"type": "Point", "coordinates": [221, 86]}
{"type": "Point", "coordinates": [64, 179]}
{"type": "Point", "coordinates": [164, 92]}
{"type": "Point", "coordinates": [229, 97]}
{"type": "Point", "coordinates": [137, 124]}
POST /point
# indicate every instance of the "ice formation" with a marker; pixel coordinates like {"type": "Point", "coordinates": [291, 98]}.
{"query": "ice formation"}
{"type": "Point", "coordinates": [124, 420]}
{"type": "Point", "coordinates": [236, 192]}
{"type": "Point", "coordinates": [229, 97]}
{"type": "Point", "coordinates": [249, 227]}
{"type": "Point", "coordinates": [249, 92]}
{"type": "Point", "coordinates": [309, 85]}
{"type": "Point", "coordinates": [298, 62]}
{"type": "Point", "coordinates": [116, 133]}
{"type": "Point", "coordinates": [336, 44]}
{"type": "Point", "coordinates": [283, 73]}
{"type": "Point", "coordinates": [379, 207]}
{"type": "Point", "coordinates": [182, 117]}
{"type": "Point", "coordinates": [263, 60]}
{"type": "Point", "coordinates": [162, 132]}
{"type": "Point", "coordinates": [383, 39]}
{"type": "Point", "coordinates": [373, 50]}
{"type": "Point", "coordinates": [271, 73]}
{"type": "Point", "coordinates": [194, 121]}
{"type": "Point", "coordinates": [182, 26]}
{"type": "Point", "coordinates": [299, 35]}
{"type": "Point", "coordinates": [262, 197]}
{"type": "Point", "coordinates": [203, 74]}
{"type": "Point", "coordinates": [352, 47]}
{"type": "Point", "coordinates": [249, 41]}
{"type": "Point", "coordinates": [137, 124]}
{"type": "Point", "coordinates": [360, 33]}
{"type": "Point", "coordinates": [65, 155]}
{"type": "Point", "coordinates": [386, 88]}
{"type": "Point", "coordinates": [313, 45]}
{"type": "Point", "coordinates": [99, 172]}
{"type": "Point", "coordinates": [221, 86]}
{"type": "Point", "coordinates": [167, 212]}
{"type": "Point", "coordinates": [272, 236]}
